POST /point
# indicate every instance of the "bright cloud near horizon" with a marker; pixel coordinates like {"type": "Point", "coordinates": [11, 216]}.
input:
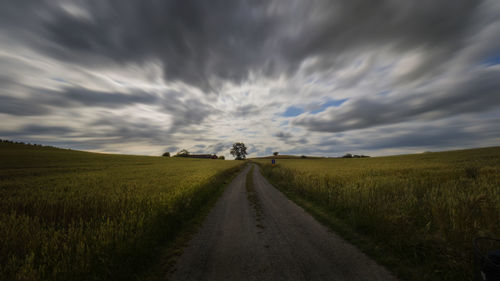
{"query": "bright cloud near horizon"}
{"type": "Point", "coordinates": [313, 77]}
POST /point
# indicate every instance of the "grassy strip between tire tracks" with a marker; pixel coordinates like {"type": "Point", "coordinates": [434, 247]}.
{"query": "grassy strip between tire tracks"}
{"type": "Point", "coordinates": [253, 198]}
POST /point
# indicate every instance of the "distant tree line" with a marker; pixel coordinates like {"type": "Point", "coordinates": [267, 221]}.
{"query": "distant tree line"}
{"type": "Point", "coordinates": [239, 151]}
{"type": "Point", "coordinates": [349, 155]}
{"type": "Point", "coordinates": [26, 143]}
{"type": "Point", "coordinates": [186, 153]}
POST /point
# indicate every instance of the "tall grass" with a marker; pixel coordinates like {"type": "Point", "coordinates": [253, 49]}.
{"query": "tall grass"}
{"type": "Point", "coordinates": [424, 209]}
{"type": "Point", "coordinates": [69, 215]}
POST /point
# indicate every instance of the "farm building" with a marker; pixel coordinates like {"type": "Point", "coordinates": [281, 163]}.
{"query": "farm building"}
{"type": "Point", "coordinates": [206, 156]}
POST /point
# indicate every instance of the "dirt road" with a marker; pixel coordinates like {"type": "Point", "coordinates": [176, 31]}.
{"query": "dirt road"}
{"type": "Point", "coordinates": [284, 243]}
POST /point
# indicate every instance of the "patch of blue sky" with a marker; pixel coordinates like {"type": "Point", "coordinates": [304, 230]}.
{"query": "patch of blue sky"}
{"type": "Point", "coordinates": [315, 81]}
{"type": "Point", "coordinates": [384, 71]}
{"type": "Point", "coordinates": [384, 68]}
{"type": "Point", "coordinates": [492, 60]}
{"type": "Point", "coordinates": [59, 80]}
{"type": "Point", "coordinates": [330, 103]}
{"type": "Point", "coordinates": [383, 93]}
{"type": "Point", "coordinates": [284, 123]}
{"type": "Point", "coordinates": [358, 62]}
{"type": "Point", "coordinates": [293, 111]}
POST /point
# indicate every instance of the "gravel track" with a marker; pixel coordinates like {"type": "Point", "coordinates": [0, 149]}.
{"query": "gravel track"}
{"type": "Point", "coordinates": [283, 243]}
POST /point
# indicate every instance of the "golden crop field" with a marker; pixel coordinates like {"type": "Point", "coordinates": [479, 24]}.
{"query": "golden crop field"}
{"type": "Point", "coordinates": [71, 215]}
{"type": "Point", "coordinates": [421, 210]}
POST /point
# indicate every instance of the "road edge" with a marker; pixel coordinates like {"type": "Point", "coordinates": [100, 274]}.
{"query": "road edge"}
{"type": "Point", "coordinates": [378, 253]}
{"type": "Point", "coordinates": [171, 252]}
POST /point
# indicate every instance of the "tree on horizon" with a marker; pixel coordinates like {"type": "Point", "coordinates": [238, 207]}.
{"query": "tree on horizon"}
{"type": "Point", "coordinates": [239, 151]}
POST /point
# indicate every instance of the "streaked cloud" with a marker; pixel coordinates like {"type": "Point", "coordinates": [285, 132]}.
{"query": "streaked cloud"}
{"type": "Point", "coordinates": [306, 77]}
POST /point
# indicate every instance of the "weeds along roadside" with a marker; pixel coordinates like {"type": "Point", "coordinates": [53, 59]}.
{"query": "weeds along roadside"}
{"type": "Point", "coordinates": [167, 258]}
{"type": "Point", "coordinates": [417, 217]}
{"type": "Point", "coordinates": [97, 221]}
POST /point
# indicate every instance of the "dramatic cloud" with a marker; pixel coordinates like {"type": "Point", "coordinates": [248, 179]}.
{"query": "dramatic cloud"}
{"type": "Point", "coordinates": [474, 93]}
{"type": "Point", "coordinates": [320, 77]}
{"type": "Point", "coordinates": [196, 41]}
{"type": "Point", "coordinates": [20, 107]}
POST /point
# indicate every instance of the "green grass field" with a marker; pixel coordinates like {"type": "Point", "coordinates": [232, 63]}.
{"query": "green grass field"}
{"type": "Point", "coordinates": [71, 215]}
{"type": "Point", "coordinates": [416, 213]}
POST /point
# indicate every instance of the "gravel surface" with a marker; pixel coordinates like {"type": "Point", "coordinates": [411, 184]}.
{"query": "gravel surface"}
{"type": "Point", "coordinates": [284, 243]}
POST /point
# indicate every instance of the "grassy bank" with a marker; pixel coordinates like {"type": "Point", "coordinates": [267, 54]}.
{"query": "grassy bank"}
{"type": "Point", "coordinates": [70, 215]}
{"type": "Point", "coordinates": [415, 213]}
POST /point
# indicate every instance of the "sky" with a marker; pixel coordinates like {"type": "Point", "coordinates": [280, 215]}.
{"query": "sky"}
{"type": "Point", "coordinates": [305, 77]}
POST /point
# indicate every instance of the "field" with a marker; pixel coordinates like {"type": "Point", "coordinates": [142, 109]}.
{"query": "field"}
{"type": "Point", "coordinates": [70, 215]}
{"type": "Point", "coordinates": [416, 213]}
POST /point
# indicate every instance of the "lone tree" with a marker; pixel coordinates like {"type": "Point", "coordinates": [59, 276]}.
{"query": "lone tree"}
{"type": "Point", "coordinates": [166, 154]}
{"type": "Point", "coordinates": [275, 153]}
{"type": "Point", "coordinates": [239, 150]}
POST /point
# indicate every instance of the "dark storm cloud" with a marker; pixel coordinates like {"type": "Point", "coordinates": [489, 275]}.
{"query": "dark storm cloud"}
{"type": "Point", "coordinates": [205, 44]}
{"type": "Point", "coordinates": [195, 40]}
{"type": "Point", "coordinates": [283, 135]}
{"type": "Point", "coordinates": [198, 41]}
{"type": "Point", "coordinates": [476, 93]}
{"type": "Point", "coordinates": [21, 107]}
{"type": "Point", "coordinates": [186, 112]}
{"type": "Point", "coordinates": [106, 99]}
{"type": "Point", "coordinates": [17, 106]}
{"type": "Point", "coordinates": [427, 137]}
{"type": "Point", "coordinates": [246, 110]}
{"type": "Point", "coordinates": [44, 102]}
{"type": "Point", "coordinates": [183, 113]}
{"type": "Point", "coordinates": [453, 133]}
{"type": "Point", "coordinates": [33, 130]}
{"type": "Point", "coordinates": [218, 147]}
{"type": "Point", "coordinates": [109, 130]}
{"type": "Point", "coordinates": [172, 149]}
{"type": "Point", "coordinates": [351, 26]}
{"type": "Point", "coordinates": [290, 139]}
